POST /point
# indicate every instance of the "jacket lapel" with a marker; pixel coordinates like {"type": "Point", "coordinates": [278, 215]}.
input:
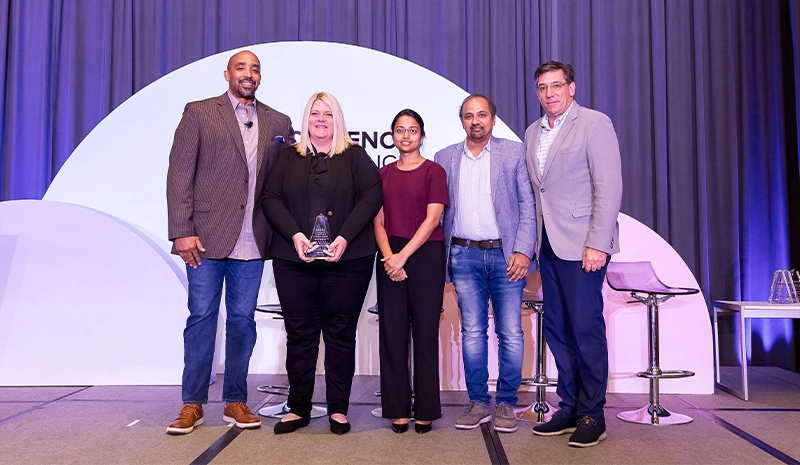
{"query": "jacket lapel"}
{"type": "Point", "coordinates": [334, 171]}
{"type": "Point", "coordinates": [299, 170]}
{"type": "Point", "coordinates": [495, 168]}
{"type": "Point", "coordinates": [537, 133]}
{"type": "Point", "coordinates": [566, 127]}
{"type": "Point", "coordinates": [263, 134]}
{"type": "Point", "coordinates": [455, 171]}
{"type": "Point", "coordinates": [229, 119]}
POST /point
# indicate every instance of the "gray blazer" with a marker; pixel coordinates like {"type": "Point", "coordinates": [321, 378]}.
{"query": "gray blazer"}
{"type": "Point", "coordinates": [578, 197]}
{"type": "Point", "coordinates": [207, 176]}
{"type": "Point", "coordinates": [512, 196]}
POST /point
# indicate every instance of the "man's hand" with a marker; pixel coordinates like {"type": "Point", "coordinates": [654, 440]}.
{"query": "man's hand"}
{"type": "Point", "coordinates": [336, 249]}
{"type": "Point", "coordinates": [303, 245]}
{"type": "Point", "coordinates": [517, 267]}
{"type": "Point", "coordinates": [189, 249]}
{"type": "Point", "coordinates": [593, 259]}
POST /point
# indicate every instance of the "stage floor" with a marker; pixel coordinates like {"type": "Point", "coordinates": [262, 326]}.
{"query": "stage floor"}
{"type": "Point", "coordinates": [126, 425]}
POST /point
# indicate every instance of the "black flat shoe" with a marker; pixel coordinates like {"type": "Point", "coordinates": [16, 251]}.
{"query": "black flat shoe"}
{"type": "Point", "coordinates": [399, 428]}
{"type": "Point", "coordinates": [283, 427]}
{"type": "Point", "coordinates": [339, 428]}
{"type": "Point", "coordinates": [422, 429]}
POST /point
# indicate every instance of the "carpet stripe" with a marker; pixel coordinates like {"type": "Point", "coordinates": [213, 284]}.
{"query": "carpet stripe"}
{"type": "Point", "coordinates": [209, 454]}
{"type": "Point", "coordinates": [750, 438]}
{"type": "Point", "coordinates": [497, 455]}
{"type": "Point", "coordinates": [38, 407]}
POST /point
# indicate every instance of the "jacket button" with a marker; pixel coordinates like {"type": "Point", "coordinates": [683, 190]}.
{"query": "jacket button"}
{"type": "Point", "coordinates": [541, 190]}
{"type": "Point", "coordinates": [330, 213]}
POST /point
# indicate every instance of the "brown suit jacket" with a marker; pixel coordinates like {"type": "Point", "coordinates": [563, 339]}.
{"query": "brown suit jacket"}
{"type": "Point", "coordinates": [207, 177]}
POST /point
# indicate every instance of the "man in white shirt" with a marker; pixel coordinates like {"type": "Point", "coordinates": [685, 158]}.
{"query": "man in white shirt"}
{"type": "Point", "coordinates": [489, 230]}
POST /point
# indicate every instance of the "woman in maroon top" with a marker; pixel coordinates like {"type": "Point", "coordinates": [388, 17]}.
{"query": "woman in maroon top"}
{"type": "Point", "coordinates": [410, 277]}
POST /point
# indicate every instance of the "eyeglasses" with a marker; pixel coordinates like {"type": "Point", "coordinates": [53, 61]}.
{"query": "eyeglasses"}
{"type": "Point", "coordinates": [400, 130]}
{"type": "Point", "coordinates": [556, 86]}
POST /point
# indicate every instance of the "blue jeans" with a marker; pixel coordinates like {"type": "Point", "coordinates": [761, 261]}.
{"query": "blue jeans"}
{"type": "Point", "coordinates": [242, 281]}
{"type": "Point", "coordinates": [478, 276]}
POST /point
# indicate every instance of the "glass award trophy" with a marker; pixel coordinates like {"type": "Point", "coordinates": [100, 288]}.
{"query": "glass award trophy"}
{"type": "Point", "coordinates": [321, 236]}
{"type": "Point", "coordinates": [785, 287]}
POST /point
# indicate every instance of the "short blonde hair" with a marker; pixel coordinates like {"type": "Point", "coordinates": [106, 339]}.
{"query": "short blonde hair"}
{"type": "Point", "coordinates": [341, 140]}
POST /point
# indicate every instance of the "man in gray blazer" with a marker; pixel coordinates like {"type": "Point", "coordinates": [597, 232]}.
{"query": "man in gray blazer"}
{"type": "Point", "coordinates": [574, 165]}
{"type": "Point", "coordinates": [489, 230]}
{"type": "Point", "coordinates": [223, 149]}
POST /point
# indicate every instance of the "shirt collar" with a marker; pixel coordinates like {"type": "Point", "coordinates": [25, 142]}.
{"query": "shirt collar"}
{"type": "Point", "coordinates": [236, 103]}
{"type": "Point", "coordinates": [559, 120]}
{"type": "Point", "coordinates": [487, 149]}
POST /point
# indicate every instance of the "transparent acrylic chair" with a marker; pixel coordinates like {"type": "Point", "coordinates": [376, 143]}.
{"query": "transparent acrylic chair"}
{"type": "Point", "coordinates": [640, 280]}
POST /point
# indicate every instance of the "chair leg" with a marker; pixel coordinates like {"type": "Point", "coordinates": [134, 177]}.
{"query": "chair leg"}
{"type": "Point", "coordinates": [654, 413]}
{"type": "Point", "coordinates": [282, 409]}
{"type": "Point", "coordinates": [539, 411]}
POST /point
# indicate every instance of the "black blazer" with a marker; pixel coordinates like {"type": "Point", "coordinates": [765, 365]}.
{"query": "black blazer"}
{"type": "Point", "coordinates": [354, 197]}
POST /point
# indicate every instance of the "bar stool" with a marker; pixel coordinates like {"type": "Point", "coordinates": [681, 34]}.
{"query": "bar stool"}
{"type": "Point", "coordinates": [641, 281]}
{"type": "Point", "coordinates": [539, 411]}
{"type": "Point", "coordinates": [377, 411]}
{"type": "Point", "coordinates": [282, 409]}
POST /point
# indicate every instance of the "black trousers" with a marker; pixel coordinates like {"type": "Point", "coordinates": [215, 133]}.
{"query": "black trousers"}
{"type": "Point", "coordinates": [414, 303]}
{"type": "Point", "coordinates": [326, 297]}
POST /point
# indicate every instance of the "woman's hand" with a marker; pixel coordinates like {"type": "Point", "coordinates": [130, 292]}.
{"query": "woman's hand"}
{"type": "Point", "coordinates": [394, 263]}
{"type": "Point", "coordinates": [336, 249]}
{"type": "Point", "coordinates": [302, 245]}
{"type": "Point", "coordinates": [398, 276]}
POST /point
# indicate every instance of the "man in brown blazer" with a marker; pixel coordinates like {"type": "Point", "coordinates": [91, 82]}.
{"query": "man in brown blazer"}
{"type": "Point", "coordinates": [223, 150]}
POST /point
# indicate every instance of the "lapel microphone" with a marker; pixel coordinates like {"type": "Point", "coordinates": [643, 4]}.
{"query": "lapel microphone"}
{"type": "Point", "coordinates": [249, 124]}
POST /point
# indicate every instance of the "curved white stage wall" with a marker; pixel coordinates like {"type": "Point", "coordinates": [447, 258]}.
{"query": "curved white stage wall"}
{"type": "Point", "coordinates": [85, 299]}
{"type": "Point", "coordinates": [119, 297]}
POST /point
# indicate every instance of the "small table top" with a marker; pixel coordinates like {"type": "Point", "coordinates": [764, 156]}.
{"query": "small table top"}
{"type": "Point", "coordinates": [759, 309]}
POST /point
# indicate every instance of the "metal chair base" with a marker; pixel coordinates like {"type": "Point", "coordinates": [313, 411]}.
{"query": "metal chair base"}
{"type": "Point", "coordinates": [658, 416]}
{"type": "Point", "coordinates": [281, 410]}
{"type": "Point", "coordinates": [537, 412]}
{"type": "Point", "coordinates": [378, 413]}
{"type": "Point", "coordinates": [274, 389]}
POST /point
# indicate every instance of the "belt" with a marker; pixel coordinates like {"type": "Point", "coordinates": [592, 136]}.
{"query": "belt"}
{"type": "Point", "coordinates": [483, 245]}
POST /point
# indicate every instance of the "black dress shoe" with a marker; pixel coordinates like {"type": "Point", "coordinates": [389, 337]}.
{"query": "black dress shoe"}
{"type": "Point", "coordinates": [399, 428]}
{"type": "Point", "coordinates": [339, 428]}
{"type": "Point", "coordinates": [422, 429]}
{"type": "Point", "coordinates": [289, 426]}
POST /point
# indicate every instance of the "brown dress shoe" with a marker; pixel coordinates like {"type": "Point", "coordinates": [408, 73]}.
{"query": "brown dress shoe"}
{"type": "Point", "coordinates": [239, 413]}
{"type": "Point", "coordinates": [191, 415]}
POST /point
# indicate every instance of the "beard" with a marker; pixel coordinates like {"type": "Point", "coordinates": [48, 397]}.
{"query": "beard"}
{"type": "Point", "coordinates": [477, 131]}
{"type": "Point", "coordinates": [246, 93]}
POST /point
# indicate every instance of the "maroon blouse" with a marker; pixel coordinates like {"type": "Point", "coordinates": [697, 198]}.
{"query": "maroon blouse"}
{"type": "Point", "coordinates": [406, 195]}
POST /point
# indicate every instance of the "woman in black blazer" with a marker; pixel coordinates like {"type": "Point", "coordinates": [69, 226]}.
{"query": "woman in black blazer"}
{"type": "Point", "coordinates": [325, 174]}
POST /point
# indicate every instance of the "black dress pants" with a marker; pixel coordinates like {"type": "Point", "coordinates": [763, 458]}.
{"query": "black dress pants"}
{"type": "Point", "coordinates": [414, 303]}
{"type": "Point", "coordinates": [326, 297]}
